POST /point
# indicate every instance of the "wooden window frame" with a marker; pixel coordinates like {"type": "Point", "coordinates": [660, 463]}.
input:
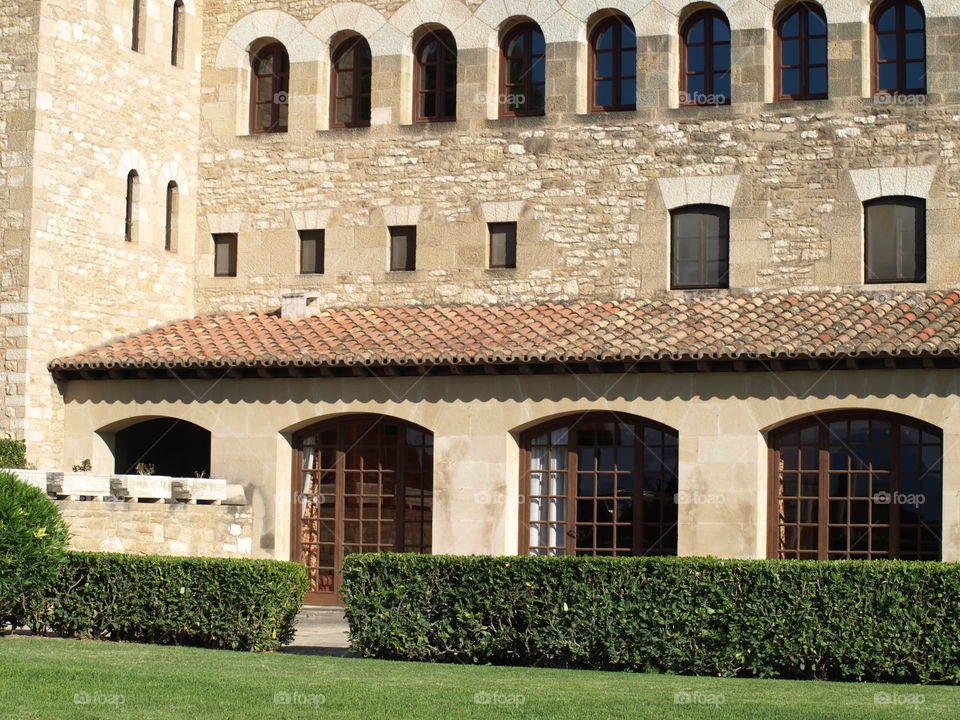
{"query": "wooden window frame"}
{"type": "Point", "coordinates": [320, 238]}
{"type": "Point", "coordinates": [821, 422]}
{"type": "Point", "coordinates": [354, 44]}
{"type": "Point", "coordinates": [901, 61]}
{"type": "Point", "coordinates": [132, 206]}
{"type": "Point", "coordinates": [281, 87]}
{"type": "Point", "coordinates": [509, 253]}
{"type": "Point", "coordinates": [805, 65]}
{"type": "Point", "coordinates": [618, 76]}
{"type": "Point", "coordinates": [529, 60]}
{"type": "Point", "coordinates": [573, 422]}
{"type": "Point", "coordinates": [171, 217]}
{"type": "Point", "coordinates": [177, 38]}
{"type": "Point", "coordinates": [708, 44]}
{"type": "Point", "coordinates": [230, 242]}
{"type": "Point", "coordinates": [920, 242]}
{"type": "Point", "coordinates": [724, 239]}
{"type": "Point", "coordinates": [446, 44]}
{"type": "Point", "coordinates": [409, 232]}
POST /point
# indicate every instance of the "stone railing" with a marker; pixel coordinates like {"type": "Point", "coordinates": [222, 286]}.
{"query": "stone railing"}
{"type": "Point", "coordinates": [133, 488]}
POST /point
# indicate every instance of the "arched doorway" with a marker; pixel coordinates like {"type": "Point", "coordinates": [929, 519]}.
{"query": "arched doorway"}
{"type": "Point", "coordinates": [856, 485]}
{"type": "Point", "coordinates": [172, 447]}
{"type": "Point", "coordinates": [599, 483]}
{"type": "Point", "coordinates": [362, 483]}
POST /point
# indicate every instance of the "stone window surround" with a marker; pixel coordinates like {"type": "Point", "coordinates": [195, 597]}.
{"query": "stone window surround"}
{"type": "Point", "coordinates": [309, 45]}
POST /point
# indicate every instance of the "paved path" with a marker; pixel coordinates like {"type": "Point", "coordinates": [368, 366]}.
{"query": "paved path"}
{"type": "Point", "coordinates": [320, 631]}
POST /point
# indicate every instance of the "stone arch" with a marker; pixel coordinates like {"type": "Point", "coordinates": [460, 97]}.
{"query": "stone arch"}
{"type": "Point", "coordinates": [452, 14]}
{"type": "Point", "coordinates": [301, 44]}
{"type": "Point", "coordinates": [360, 19]}
{"type": "Point", "coordinates": [133, 160]}
{"type": "Point", "coordinates": [174, 171]}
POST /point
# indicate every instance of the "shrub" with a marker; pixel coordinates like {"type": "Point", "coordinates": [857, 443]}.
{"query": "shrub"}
{"type": "Point", "coordinates": [33, 538]}
{"type": "Point", "coordinates": [884, 621]}
{"type": "Point", "coordinates": [13, 454]}
{"type": "Point", "coordinates": [207, 602]}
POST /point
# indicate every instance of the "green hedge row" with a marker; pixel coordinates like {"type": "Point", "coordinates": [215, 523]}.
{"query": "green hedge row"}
{"type": "Point", "coordinates": [208, 602]}
{"type": "Point", "coordinates": [850, 620]}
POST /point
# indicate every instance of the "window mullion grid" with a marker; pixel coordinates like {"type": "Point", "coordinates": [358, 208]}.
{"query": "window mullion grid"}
{"type": "Point", "coordinates": [702, 270]}
{"type": "Point", "coordinates": [572, 514]}
{"type": "Point", "coordinates": [894, 517]}
{"type": "Point", "coordinates": [823, 494]}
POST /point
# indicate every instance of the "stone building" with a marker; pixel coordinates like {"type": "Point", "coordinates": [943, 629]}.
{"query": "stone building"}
{"type": "Point", "coordinates": [498, 276]}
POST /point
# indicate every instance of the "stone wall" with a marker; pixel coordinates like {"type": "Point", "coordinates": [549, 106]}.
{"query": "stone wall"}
{"type": "Point", "coordinates": [585, 189]}
{"type": "Point", "coordinates": [159, 529]}
{"type": "Point", "coordinates": [103, 110]}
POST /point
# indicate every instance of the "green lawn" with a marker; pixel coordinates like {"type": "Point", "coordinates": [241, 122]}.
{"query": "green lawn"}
{"type": "Point", "coordinates": [65, 679]}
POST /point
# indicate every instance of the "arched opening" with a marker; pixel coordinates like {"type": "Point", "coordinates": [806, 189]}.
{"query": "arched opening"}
{"type": "Point", "coordinates": [899, 48]}
{"type": "Point", "coordinates": [613, 65]}
{"type": "Point", "coordinates": [172, 216]}
{"type": "Point", "coordinates": [856, 485]}
{"type": "Point", "coordinates": [801, 52]}
{"type": "Point", "coordinates": [599, 483]}
{"type": "Point", "coordinates": [167, 445]}
{"type": "Point", "coordinates": [523, 70]}
{"type": "Point", "coordinates": [362, 483]}
{"type": "Point", "coordinates": [351, 83]}
{"type": "Point", "coordinates": [270, 89]}
{"type": "Point", "coordinates": [132, 206]}
{"type": "Point", "coordinates": [435, 77]}
{"type": "Point", "coordinates": [705, 64]}
{"type": "Point", "coordinates": [177, 36]}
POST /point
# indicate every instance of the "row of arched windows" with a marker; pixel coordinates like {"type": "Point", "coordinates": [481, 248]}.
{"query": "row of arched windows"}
{"type": "Point", "coordinates": [132, 210]}
{"type": "Point", "coordinates": [178, 27]}
{"type": "Point", "coordinates": [898, 61]}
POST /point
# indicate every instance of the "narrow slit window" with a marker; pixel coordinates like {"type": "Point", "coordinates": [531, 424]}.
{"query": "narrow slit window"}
{"type": "Point", "coordinates": [136, 30]}
{"type": "Point", "coordinates": [132, 206]}
{"type": "Point", "coordinates": [225, 255]}
{"type": "Point", "coordinates": [177, 37]}
{"type": "Point", "coordinates": [172, 219]}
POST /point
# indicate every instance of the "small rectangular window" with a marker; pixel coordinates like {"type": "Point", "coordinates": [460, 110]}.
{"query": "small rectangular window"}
{"type": "Point", "coordinates": [895, 229]}
{"type": "Point", "coordinates": [503, 245]}
{"type": "Point", "coordinates": [225, 255]}
{"type": "Point", "coordinates": [699, 247]}
{"type": "Point", "coordinates": [403, 248]}
{"type": "Point", "coordinates": [311, 252]}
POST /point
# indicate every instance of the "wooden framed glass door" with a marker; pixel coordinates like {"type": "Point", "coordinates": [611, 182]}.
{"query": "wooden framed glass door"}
{"type": "Point", "coordinates": [361, 483]}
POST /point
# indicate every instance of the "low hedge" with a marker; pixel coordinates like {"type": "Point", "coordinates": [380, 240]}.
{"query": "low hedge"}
{"type": "Point", "coordinates": [207, 602]}
{"type": "Point", "coordinates": [883, 621]}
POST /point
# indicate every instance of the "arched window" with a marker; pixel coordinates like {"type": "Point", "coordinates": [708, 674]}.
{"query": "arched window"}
{"type": "Point", "coordinates": [700, 241]}
{"type": "Point", "coordinates": [523, 72]}
{"type": "Point", "coordinates": [132, 206]}
{"type": "Point", "coordinates": [436, 78]}
{"type": "Point", "coordinates": [802, 53]}
{"type": "Point", "coordinates": [895, 240]}
{"type": "Point", "coordinates": [361, 484]}
{"type": "Point", "coordinates": [860, 485]}
{"type": "Point", "coordinates": [177, 37]}
{"type": "Point", "coordinates": [351, 79]}
{"type": "Point", "coordinates": [600, 484]}
{"type": "Point", "coordinates": [705, 59]}
{"type": "Point", "coordinates": [899, 49]}
{"type": "Point", "coordinates": [613, 65]}
{"type": "Point", "coordinates": [172, 212]}
{"type": "Point", "coordinates": [269, 107]}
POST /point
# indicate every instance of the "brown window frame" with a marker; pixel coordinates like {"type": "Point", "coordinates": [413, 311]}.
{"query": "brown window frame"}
{"type": "Point", "coordinates": [171, 216]}
{"type": "Point", "coordinates": [354, 44]}
{"type": "Point", "coordinates": [510, 250]}
{"type": "Point", "coordinates": [177, 36]}
{"type": "Point", "coordinates": [132, 206]}
{"type": "Point", "coordinates": [319, 238]}
{"type": "Point", "coordinates": [638, 519]}
{"type": "Point", "coordinates": [528, 61]}
{"type": "Point", "coordinates": [724, 250]}
{"type": "Point", "coordinates": [618, 75]}
{"type": "Point", "coordinates": [708, 45]}
{"type": "Point", "coordinates": [136, 31]}
{"type": "Point", "coordinates": [230, 242]}
{"type": "Point", "coordinates": [821, 422]}
{"type": "Point", "coordinates": [409, 233]}
{"type": "Point", "coordinates": [920, 241]}
{"type": "Point", "coordinates": [446, 46]}
{"type": "Point", "coordinates": [901, 61]}
{"type": "Point", "coordinates": [281, 86]}
{"type": "Point", "coordinates": [805, 64]}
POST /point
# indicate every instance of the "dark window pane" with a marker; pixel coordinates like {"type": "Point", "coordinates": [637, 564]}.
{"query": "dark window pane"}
{"type": "Point", "coordinates": [887, 21]}
{"type": "Point", "coordinates": [790, 52]}
{"type": "Point", "coordinates": [604, 65]}
{"type": "Point", "coordinates": [695, 59]}
{"type": "Point", "coordinates": [403, 248]}
{"type": "Point", "coordinates": [539, 46]}
{"type": "Point", "coordinates": [311, 251]}
{"type": "Point", "coordinates": [817, 81]}
{"type": "Point", "coordinates": [503, 245]}
{"type": "Point", "coordinates": [914, 47]}
{"type": "Point", "coordinates": [721, 31]}
{"type": "Point", "coordinates": [887, 77]}
{"type": "Point", "coordinates": [790, 82]}
{"type": "Point", "coordinates": [886, 47]}
{"type": "Point", "coordinates": [816, 23]}
{"type": "Point", "coordinates": [916, 76]}
{"type": "Point", "coordinates": [913, 18]}
{"type": "Point", "coordinates": [628, 92]}
{"type": "Point", "coordinates": [721, 57]}
{"type": "Point", "coordinates": [225, 255]}
{"type": "Point", "coordinates": [605, 39]}
{"type": "Point", "coordinates": [696, 32]}
{"type": "Point", "coordinates": [791, 26]}
{"type": "Point", "coordinates": [604, 97]}
{"type": "Point", "coordinates": [817, 51]}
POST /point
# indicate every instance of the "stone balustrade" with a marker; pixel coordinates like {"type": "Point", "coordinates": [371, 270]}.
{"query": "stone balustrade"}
{"type": "Point", "coordinates": [134, 488]}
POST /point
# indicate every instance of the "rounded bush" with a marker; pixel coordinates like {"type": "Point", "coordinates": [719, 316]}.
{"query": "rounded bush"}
{"type": "Point", "coordinates": [33, 540]}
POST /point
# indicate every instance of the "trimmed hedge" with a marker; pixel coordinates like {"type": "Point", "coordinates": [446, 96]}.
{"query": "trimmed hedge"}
{"type": "Point", "coordinates": [207, 602]}
{"type": "Point", "coordinates": [883, 621]}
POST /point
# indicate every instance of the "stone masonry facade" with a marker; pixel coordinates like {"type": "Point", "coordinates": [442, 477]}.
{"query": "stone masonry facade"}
{"type": "Point", "coordinates": [591, 192]}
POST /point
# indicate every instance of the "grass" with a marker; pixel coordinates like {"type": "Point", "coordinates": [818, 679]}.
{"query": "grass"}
{"type": "Point", "coordinates": [44, 678]}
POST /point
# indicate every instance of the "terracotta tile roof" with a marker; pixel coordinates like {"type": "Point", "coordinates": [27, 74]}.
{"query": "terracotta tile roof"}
{"type": "Point", "coordinates": [770, 326]}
